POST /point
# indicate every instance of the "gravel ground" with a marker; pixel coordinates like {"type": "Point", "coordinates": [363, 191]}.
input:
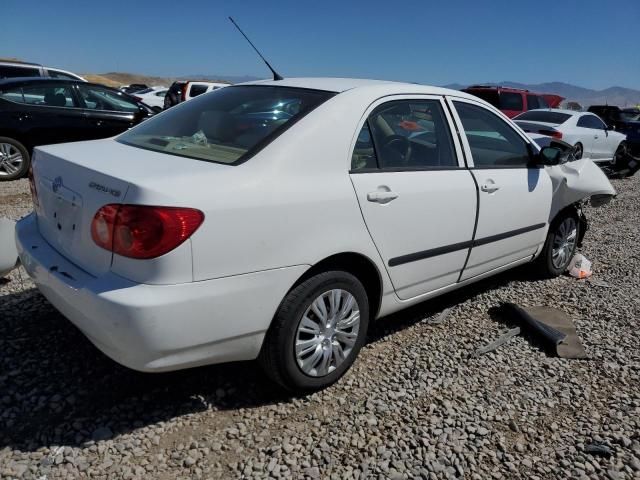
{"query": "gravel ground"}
{"type": "Point", "coordinates": [413, 406]}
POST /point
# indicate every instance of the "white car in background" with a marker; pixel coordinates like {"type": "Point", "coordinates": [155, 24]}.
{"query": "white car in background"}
{"type": "Point", "coordinates": [277, 219]}
{"type": "Point", "coordinates": [585, 131]}
{"type": "Point", "coordinates": [152, 96]}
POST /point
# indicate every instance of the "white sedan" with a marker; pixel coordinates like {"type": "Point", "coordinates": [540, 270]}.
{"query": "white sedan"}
{"type": "Point", "coordinates": [277, 219]}
{"type": "Point", "coordinates": [589, 135]}
{"type": "Point", "coordinates": [152, 96]}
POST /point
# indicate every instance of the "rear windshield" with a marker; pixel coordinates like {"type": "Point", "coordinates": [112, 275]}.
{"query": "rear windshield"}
{"type": "Point", "coordinates": [544, 116]}
{"type": "Point", "coordinates": [226, 126]}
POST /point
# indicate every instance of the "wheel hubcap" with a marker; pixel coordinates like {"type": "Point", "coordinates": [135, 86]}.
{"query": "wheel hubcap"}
{"type": "Point", "coordinates": [327, 332]}
{"type": "Point", "coordinates": [10, 159]}
{"type": "Point", "coordinates": [564, 243]}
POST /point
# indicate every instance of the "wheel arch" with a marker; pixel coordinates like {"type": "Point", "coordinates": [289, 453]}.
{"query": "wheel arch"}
{"type": "Point", "coordinates": [574, 209]}
{"type": "Point", "coordinates": [357, 264]}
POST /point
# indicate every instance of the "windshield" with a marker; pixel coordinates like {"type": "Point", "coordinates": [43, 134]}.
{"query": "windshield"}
{"type": "Point", "coordinates": [228, 125]}
{"type": "Point", "coordinates": [544, 116]}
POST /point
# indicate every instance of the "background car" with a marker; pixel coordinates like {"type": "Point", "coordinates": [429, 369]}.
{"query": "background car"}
{"type": "Point", "coordinates": [183, 90]}
{"type": "Point", "coordinates": [133, 88]}
{"type": "Point", "coordinates": [152, 96]}
{"type": "Point", "coordinates": [513, 101]}
{"type": "Point", "coordinates": [10, 69]}
{"type": "Point", "coordinates": [40, 111]}
{"type": "Point", "coordinates": [588, 134]}
{"type": "Point", "coordinates": [625, 121]}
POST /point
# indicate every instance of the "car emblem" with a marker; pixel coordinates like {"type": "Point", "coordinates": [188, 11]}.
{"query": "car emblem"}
{"type": "Point", "coordinates": [57, 184]}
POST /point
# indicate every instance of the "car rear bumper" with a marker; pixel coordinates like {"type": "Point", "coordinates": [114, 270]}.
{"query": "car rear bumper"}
{"type": "Point", "coordinates": [158, 327]}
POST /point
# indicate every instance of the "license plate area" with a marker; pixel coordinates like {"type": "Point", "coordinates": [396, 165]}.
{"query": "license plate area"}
{"type": "Point", "coordinates": [60, 211]}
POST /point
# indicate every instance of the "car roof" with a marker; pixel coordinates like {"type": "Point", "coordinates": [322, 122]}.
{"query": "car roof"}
{"type": "Point", "coordinates": [5, 81]}
{"type": "Point", "coordinates": [19, 63]}
{"type": "Point", "coordinates": [338, 85]}
{"type": "Point", "coordinates": [558, 110]}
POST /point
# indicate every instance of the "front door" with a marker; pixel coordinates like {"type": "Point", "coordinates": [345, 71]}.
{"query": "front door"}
{"type": "Point", "coordinates": [107, 112]}
{"type": "Point", "coordinates": [417, 198]}
{"type": "Point", "coordinates": [515, 197]}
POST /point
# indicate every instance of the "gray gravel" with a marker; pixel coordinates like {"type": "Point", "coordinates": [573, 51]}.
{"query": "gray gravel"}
{"type": "Point", "coordinates": [413, 406]}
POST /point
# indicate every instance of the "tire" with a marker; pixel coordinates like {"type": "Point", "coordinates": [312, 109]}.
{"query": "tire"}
{"type": "Point", "coordinates": [291, 347]}
{"type": "Point", "coordinates": [14, 159]}
{"type": "Point", "coordinates": [578, 151]}
{"type": "Point", "coordinates": [554, 260]}
{"type": "Point", "coordinates": [620, 157]}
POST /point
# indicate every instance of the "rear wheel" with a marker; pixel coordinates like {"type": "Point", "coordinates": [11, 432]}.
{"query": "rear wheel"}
{"type": "Point", "coordinates": [560, 245]}
{"type": "Point", "coordinates": [14, 159]}
{"type": "Point", "coordinates": [317, 332]}
{"type": "Point", "coordinates": [578, 151]}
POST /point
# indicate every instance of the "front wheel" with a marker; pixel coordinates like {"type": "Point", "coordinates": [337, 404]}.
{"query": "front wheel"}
{"type": "Point", "coordinates": [316, 335]}
{"type": "Point", "coordinates": [560, 245]}
{"type": "Point", "coordinates": [620, 157]}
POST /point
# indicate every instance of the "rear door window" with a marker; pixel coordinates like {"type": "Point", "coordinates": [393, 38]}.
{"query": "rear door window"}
{"type": "Point", "coordinates": [532, 102]}
{"type": "Point", "coordinates": [49, 95]}
{"type": "Point", "coordinates": [412, 134]}
{"type": "Point", "coordinates": [510, 101]}
{"type": "Point", "coordinates": [229, 125]}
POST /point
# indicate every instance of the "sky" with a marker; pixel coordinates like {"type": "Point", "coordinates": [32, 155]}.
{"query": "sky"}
{"type": "Point", "coordinates": [590, 43]}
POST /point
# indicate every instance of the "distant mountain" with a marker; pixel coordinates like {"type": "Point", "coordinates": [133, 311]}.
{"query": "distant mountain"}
{"type": "Point", "coordinates": [624, 97]}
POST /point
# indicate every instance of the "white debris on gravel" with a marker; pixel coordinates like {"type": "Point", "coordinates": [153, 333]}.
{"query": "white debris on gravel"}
{"type": "Point", "coordinates": [413, 406]}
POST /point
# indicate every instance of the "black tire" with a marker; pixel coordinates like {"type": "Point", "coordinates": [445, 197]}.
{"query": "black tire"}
{"type": "Point", "coordinates": [278, 358]}
{"type": "Point", "coordinates": [546, 266]}
{"type": "Point", "coordinates": [5, 176]}
{"type": "Point", "coordinates": [578, 151]}
{"type": "Point", "coordinates": [620, 160]}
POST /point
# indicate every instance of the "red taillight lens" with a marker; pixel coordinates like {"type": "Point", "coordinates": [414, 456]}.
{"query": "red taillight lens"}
{"type": "Point", "coordinates": [183, 91]}
{"type": "Point", "coordinates": [32, 187]}
{"type": "Point", "coordinates": [143, 232]}
{"type": "Point", "coordinates": [551, 133]}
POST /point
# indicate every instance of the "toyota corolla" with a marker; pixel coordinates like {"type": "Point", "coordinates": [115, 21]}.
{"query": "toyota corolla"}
{"type": "Point", "coordinates": [276, 220]}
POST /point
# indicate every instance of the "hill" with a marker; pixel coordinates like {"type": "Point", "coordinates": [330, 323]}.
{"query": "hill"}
{"type": "Point", "coordinates": [115, 79]}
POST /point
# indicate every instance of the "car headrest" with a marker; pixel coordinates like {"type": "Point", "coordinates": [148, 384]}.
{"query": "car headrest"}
{"type": "Point", "coordinates": [217, 124]}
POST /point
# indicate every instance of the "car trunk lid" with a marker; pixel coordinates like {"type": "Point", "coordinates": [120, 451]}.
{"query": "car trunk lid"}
{"type": "Point", "coordinates": [68, 197]}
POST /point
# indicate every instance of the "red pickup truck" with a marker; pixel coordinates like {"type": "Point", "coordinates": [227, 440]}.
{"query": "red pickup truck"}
{"type": "Point", "coordinates": [513, 101]}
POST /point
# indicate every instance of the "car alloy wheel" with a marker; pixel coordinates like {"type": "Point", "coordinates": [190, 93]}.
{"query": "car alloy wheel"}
{"type": "Point", "coordinates": [327, 332]}
{"type": "Point", "coordinates": [11, 159]}
{"type": "Point", "coordinates": [564, 243]}
{"type": "Point", "coordinates": [577, 151]}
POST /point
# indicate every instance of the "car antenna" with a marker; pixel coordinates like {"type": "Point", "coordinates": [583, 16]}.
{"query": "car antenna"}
{"type": "Point", "coordinates": [276, 75]}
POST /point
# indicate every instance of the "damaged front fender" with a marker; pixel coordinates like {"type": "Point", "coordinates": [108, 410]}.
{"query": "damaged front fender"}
{"type": "Point", "coordinates": [576, 181]}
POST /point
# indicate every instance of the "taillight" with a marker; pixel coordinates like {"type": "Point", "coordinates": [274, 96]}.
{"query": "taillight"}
{"type": "Point", "coordinates": [143, 232]}
{"type": "Point", "coordinates": [183, 91]}
{"type": "Point", "coordinates": [551, 133]}
{"type": "Point", "coordinates": [32, 187]}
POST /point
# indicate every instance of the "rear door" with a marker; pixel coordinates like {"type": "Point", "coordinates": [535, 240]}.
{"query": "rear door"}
{"type": "Point", "coordinates": [107, 112]}
{"type": "Point", "coordinates": [417, 198]}
{"type": "Point", "coordinates": [50, 112]}
{"type": "Point", "coordinates": [514, 197]}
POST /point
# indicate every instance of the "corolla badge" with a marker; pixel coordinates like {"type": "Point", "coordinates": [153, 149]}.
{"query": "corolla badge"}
{"type": "Point", "coordinates": [57, 184]}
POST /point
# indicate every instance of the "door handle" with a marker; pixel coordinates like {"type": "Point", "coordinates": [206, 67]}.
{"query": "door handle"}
{"type": "Point", "coordinates": [489, 187]}
{"type": "Point", "coordinates": [381, 196]}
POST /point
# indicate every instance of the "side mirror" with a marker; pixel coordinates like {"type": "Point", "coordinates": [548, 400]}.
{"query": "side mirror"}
{"type": "Point", "coordinates": [551, 156]}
